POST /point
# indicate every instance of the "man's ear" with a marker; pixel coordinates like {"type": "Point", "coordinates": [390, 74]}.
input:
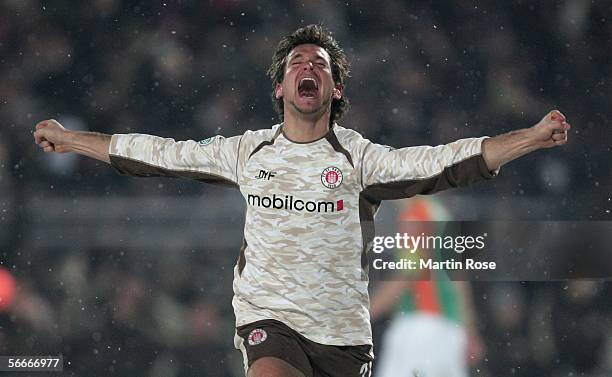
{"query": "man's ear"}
{"type": "Point", "coordinates": [337, 93]}
{"type": "Point", "coordinates": [278, 91]}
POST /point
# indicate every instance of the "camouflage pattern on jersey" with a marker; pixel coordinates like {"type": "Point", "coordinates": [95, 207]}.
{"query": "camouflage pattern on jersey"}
{"type": "Point", "coordinates": [310, 208]}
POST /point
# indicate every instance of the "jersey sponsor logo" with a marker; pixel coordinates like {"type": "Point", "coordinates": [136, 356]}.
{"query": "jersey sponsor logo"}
{"type": "Point", "coordinates": [331, 177]}
{"type": "Point", "coordinates": [257, 336]}
{"type": "Point", "coordinates": [206, 141]}
{"type": "Point", "coordinates": [289, 202]}
{"type": "Point", "coordinates": [266, 175]}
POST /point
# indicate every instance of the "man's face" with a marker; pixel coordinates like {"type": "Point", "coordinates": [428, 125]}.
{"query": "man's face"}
{"type": "Point", "coordinates": [308, 86]}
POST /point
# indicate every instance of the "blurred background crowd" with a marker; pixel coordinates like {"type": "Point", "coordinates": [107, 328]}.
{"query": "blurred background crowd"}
{"type": "Point", "coordinates": [133, 276]}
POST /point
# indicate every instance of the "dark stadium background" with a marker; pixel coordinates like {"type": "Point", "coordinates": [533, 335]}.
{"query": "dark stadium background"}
{"type": "Point", "coordinates": [132, 277]}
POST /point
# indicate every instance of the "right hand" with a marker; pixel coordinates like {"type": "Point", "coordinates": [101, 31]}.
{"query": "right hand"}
{"type": "Point", "coordinates": [51, 136]}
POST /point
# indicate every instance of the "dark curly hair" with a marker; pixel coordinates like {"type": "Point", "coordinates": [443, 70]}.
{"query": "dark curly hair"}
{"type": "Point", "coordinates": [320, 36]}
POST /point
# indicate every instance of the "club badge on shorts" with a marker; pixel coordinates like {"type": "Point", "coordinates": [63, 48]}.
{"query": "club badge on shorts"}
{"type": "Point", "coordinates": [257, 336]}
{"type": "Point", "coordinates": [331, 177]}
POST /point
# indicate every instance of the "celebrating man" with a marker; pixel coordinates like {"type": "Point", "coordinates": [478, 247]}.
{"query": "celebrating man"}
{"type": "Point", "coordinates": [312, 189]}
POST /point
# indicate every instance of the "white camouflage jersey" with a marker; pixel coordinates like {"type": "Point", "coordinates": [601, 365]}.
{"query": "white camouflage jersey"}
{"type": "Point", "coordinates": [310, 210]}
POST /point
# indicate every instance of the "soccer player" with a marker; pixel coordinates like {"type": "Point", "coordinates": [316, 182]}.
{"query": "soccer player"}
{"type": "Point", "coordinates": [433, 331]}
{"type": "Point", "coordinates": [312, 189]}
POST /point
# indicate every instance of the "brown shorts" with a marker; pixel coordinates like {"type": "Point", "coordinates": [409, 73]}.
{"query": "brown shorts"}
{"type": "Point", "coordinates": [270, 338]}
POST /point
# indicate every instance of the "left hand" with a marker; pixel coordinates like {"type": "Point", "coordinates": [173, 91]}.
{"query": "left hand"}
{"type": "Point", "coordinates": [551, 131]}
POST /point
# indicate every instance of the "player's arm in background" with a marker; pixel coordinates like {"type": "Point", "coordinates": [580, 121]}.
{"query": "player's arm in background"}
{"type": "Point", "coordinates": [385, 298]}
{"type": "Point", "coordinates": [213, 160]}
{"type": "Point", "coordinates": [475, 346]}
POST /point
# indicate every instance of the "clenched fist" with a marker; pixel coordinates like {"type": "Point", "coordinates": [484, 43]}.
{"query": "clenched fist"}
{"type": "Point", "coordinates": [51, 136]}
{"type": "Point", "coordinates": [551, 131]}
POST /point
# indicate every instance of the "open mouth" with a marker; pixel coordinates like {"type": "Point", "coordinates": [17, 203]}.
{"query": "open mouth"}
{"type": "Point", "coordinates": [308, 87]}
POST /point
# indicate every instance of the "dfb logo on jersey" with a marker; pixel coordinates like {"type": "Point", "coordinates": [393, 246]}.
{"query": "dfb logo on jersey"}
{"type": "Point", "coordinates": [206, 141]}
{"type": "Point", "coordinates": [257, 336]}
{"type": "Point", "coordinates": [331, 177]}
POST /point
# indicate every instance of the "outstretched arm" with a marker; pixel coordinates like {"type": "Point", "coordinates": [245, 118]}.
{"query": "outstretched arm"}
{"type": "Point", "coordinates": [53, 137]}
{"type": "Point", "coordinates": [550, 132]}
{"type": "Point", "coordinates": [389, 173]}
{"type": "Point", "coordinates": [214, 160]}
